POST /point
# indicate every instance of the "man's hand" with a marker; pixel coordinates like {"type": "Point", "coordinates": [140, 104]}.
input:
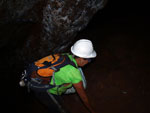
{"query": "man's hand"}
{"type": "Point", "coordinates": [81, 92]}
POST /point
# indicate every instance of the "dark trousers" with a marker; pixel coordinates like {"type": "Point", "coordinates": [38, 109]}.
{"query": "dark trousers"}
{"type": "Point", "coordinates": [46, 99]}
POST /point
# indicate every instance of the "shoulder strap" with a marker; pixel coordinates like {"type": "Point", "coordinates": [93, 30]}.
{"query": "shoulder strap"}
{"type": "Point", "coordinates": [66, 62]}
{"type": "Point", "coordinates": [70, 62]}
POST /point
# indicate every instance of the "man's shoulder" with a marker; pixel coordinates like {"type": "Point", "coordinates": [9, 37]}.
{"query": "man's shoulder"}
{"type": "Point", "coordinates": [69, 68]}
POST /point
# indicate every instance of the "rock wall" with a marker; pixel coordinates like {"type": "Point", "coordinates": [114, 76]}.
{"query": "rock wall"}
{"type": "Point", "coordinates": [18, 10]}
{"type": "Point", "coordinates": [55, 23]}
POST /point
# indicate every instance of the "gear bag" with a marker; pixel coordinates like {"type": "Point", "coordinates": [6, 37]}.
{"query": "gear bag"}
{"type": "Point", "coordinates": [38, 75]}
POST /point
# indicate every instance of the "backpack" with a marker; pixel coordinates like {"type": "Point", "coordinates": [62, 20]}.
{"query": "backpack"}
{"type": "Point", "coordinates": [37, 75]}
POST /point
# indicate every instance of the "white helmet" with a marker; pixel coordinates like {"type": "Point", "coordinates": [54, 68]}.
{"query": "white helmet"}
{"type": "Point", "coordinates": [83, 48]}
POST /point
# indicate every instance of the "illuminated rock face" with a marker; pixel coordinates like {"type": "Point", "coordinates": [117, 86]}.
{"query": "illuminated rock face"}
{"type": "Point", "coordinates": [63, 19]}
{"type": "Point", "coordinates": [59, 21]}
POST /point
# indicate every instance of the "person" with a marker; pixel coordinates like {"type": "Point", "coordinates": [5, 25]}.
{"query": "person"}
{"type": "Point", "coordinates": [69, 78]}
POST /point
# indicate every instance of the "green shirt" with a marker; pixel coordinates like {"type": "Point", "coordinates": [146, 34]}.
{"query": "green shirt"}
{"type": "Point", "coordinates": [67, 74]}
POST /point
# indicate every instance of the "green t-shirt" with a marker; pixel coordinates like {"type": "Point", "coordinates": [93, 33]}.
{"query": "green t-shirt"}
{"type": "Point", "coordinates": [67, 74]}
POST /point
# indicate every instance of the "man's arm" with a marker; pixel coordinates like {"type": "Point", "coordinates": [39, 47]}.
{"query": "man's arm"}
{"type": "Point", "coordinates": [81, 92]}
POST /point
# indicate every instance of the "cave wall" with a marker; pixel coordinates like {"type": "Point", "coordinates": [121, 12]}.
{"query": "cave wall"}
{"type": "Point", "coordinates": [55, 23]}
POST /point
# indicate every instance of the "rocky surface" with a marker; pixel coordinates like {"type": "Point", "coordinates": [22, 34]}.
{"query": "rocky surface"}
{"type": "Point", "coordinates": [54, 23]}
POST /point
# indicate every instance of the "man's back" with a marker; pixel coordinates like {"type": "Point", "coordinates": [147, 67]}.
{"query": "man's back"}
{"type": "Point", "coordinates": [66, 76]}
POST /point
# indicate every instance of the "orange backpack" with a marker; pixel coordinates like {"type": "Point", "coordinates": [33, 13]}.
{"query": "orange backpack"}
{"type": "Point", "coordinates": [45, 67]}
{"type": "Point", "coordinates": [38, 75]}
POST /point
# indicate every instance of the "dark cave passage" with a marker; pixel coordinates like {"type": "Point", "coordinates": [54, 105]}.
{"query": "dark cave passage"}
{"type": "Point", "coordinates": [118, 79]}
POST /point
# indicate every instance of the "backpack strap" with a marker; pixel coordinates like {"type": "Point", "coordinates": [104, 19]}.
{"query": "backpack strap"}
{"type": "Point", "coordinates": [66, 62]}
{"type": "Point", "coordinates": [70, 62]}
